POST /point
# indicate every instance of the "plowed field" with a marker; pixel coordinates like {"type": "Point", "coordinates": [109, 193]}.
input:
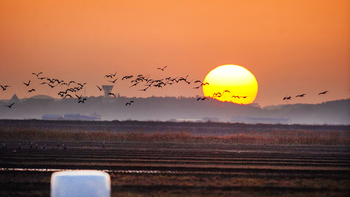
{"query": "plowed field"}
{"type": "Point", "coordinates": [180, 169]}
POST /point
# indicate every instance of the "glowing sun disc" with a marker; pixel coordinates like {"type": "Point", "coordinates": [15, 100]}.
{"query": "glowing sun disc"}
{"type": "Point", "coordinates": [231, 83]}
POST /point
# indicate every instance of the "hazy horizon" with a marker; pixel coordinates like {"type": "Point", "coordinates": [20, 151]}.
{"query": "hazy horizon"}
{"type": "Point", "coordinates": [166, 96]}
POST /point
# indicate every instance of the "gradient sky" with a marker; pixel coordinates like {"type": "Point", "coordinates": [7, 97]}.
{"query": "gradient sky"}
{"type": "Point", "coordinates": [292, 47]}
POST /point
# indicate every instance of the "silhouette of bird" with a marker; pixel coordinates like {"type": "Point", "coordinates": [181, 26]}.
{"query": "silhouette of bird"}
{"type": "Point", "coordinates": [79, 97]}
{"type": "Point", "coordinates": [202, 98]}
{"type": "Point", "coordinates": [162, 69]}
{"type": "Point", "coordinates": [114, 74]}
{"type": "Point", "coordinates": [31, 90]}
{"type": "Point", "coordinates": [134, 84]}
{"type": "Point", "coordinates": [27, 84]}
{"type": "Point", "coordinates": [81, 85]}
{"type": "Point", "coordinates": [217, 94]}
{"type": "Point", "coordinates": [226, 91]}
{"type": "Point", "coordinates": [113, 80]}
{"type": "Point", "coordinates": [71, 82]}
{"type": "Point", "coordinates": [37, 75]}
{"type": "Point", "coordinates": [51, 86]}
{"type": "Point", "coordinates": [99, 88]}
{"type": "Point", "coordinates": [4, 87]}
{"type": "Point", "coordinates": [112, 94]}
{"type": "Point", "coordinates": [144, 89]}
{"type": "Point", "coordinates": [111, 75]}
{"type": "Point", "coordinates": [127, 77]}
{"type": "Point", "coordinates": [287, 98]}
{"type": "Point", "coordinates": [128, 103]}
{"type": "Point", "coordinates": [68, 95]}
{"type": "Point", "coordinates": [323, 92]}
{"type": "Point", "coordinates": [9, 106]}
{"type": "Point", "coordinates": [197, 81]}
{"type": "Point", "coordinates": [82, 100]}
{"type": "Point", "coordinates": [300, 95]}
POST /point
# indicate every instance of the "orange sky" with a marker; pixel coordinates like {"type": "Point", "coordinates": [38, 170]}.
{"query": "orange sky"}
{"type": "Point", "coordinates": [292, 47]}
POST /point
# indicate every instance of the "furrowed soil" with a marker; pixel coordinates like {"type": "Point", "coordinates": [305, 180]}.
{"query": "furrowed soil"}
{"type": "Point", "coordinates": [181, 169]}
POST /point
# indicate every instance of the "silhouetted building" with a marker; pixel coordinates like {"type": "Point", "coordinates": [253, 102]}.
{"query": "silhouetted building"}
{"type": "Point", "coordinates": [107, 89]}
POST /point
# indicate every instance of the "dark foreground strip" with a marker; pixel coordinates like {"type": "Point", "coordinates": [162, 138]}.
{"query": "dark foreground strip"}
{"type": "Point", "coordinates": [32, 186]}
{"type": "Point", "coordinates": [229, 188]}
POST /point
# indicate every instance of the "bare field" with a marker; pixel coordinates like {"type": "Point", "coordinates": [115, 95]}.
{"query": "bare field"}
{"type": "Point", "coordinates": [182, 169]}
{"type": "Point", "coordinates": [181, 163]}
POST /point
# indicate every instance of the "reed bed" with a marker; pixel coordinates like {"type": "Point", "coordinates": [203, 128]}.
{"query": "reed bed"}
{"type": "Point", "coordinates": [272, 137]}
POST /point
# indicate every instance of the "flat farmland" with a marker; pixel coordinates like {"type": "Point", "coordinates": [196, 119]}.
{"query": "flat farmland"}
{"type": "Point", "coordinates": [182, 169]}
{"type": "Point", "coordinates": [178, 158]}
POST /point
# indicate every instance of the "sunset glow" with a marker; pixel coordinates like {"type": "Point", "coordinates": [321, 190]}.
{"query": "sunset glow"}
{"type": "Point", "coordinates": [292, 47]}
{"type": "Point", "coordinates": [231, 83]}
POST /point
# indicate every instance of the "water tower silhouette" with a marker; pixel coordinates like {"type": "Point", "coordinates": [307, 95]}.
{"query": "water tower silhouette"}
{"type": "Point", "coordinates": [107, 89]}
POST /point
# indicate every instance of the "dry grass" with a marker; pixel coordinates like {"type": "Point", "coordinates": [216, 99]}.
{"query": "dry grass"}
{"type": "Point", "coordinates": [272, 137]}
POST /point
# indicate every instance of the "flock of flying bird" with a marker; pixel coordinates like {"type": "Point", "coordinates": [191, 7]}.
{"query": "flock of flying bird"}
{"type": "Point", "coordinates": [134, 80]}
{"type": "Point", "coordinates": [302, 95]}
{"type": "Point", "coordinates": [74, 87]}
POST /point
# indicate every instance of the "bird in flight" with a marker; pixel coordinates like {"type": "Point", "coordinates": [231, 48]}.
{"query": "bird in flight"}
{"type": "Point", "coordinates": [114, 80]}
{"type": "Point", "coordinates": [31, 90]}
{"type": "Point", "coordinates": [128, 103]}
{"type": "Point", "coordinates": [127, 77]}
{"type": "Point", "coordinates": [9, 106]}
{"type": "Point", "coordinates": [27, 84]}
{"type": "Point", "coordinates": [217, 94]}
{"type": "Point", "coordinates": [300, 95]}
{"type": "Point", "coordinates": [162, 69]}
{"type": "Point", "coordinates": [79, 97]}
{"type": "Point", "coordinates": [323, 92]}
{"type": "Point", "coordinates": [111, 75]}
{"type": "Point", "coordinates": [202, 98]}
{"type": "Point", "coordinates": [37, 75]}
{"type": "Point", "coordinates": [4, 87]}
{"type": "Point", "coordinates": [287, 98]}
{"type": "Point", "coordinates": [67, 95]}
{"type": "Point", "coordinates": [82, 100]}
{"type": "Point", "coordinates": [51, 86]}
{"type": "Point", "coordinates": [112, 94]}
{"type": "Point", "coordinates": [144, 89]}
{"type": "Point", "coordinates": [99, 88]}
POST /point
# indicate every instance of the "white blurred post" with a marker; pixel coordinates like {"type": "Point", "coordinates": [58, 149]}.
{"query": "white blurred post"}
{"type": "Point", "coordinates": [80, 183]}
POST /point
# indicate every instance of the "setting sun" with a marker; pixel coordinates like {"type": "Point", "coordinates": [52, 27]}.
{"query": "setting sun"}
{"type": "Point", "coordinates": [231, 83]}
